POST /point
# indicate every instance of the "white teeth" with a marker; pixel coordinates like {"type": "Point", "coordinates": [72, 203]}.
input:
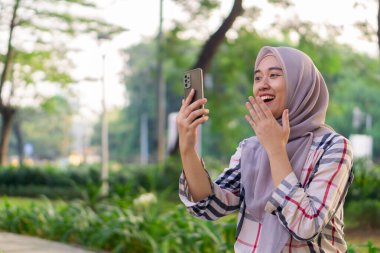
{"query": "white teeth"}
{"type": "Point", "coordinates": [266, 98]}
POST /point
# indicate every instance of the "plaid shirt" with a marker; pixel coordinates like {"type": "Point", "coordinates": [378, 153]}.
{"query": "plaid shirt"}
{"type": "Point", "coordinates": [310, 208]}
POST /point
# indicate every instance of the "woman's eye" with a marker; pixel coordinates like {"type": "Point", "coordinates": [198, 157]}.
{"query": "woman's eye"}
{"type": "Point", "coordinates": [274, 76]}
{"type": "Point", "coordinates": [257, 78]}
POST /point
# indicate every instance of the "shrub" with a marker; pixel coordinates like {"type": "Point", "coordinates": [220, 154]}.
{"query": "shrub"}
{"type": "Point", "coordinates": [132, 229]}
{"type": "Point", "coordinates": [366, 182]}
{"type": "Point", "coordinates": [363, 213]}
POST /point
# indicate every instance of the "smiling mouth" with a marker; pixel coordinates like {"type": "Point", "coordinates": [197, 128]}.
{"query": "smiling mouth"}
{"type": "Point", "coordinates": [267, 98]}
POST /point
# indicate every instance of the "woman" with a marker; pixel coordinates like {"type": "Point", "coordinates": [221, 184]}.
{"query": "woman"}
{"type": "Point", "coordinates": [290, 180]}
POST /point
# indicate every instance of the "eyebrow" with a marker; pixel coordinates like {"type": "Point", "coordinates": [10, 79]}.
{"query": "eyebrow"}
{"type": "Point", "coordinates": [271, 68]}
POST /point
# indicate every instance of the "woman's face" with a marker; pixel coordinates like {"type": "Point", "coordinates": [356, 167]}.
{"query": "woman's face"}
{"type": "Point", "coordinates": [269, 85]}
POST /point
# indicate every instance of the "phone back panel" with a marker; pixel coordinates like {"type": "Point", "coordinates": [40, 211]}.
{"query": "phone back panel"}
{"type": "Point", "coordinates": [193, 79]}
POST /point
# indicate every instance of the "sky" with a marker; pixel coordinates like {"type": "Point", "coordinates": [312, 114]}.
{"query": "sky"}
{"type": "Point", "coordinates": [141, 17]}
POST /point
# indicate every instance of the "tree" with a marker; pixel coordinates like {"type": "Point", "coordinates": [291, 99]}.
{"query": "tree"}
{"type": "Point", "coordinates": [33, 29]}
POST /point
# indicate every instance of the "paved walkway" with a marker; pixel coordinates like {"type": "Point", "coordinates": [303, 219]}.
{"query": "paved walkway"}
{"type": "Point", "coordinates": [13, 243]}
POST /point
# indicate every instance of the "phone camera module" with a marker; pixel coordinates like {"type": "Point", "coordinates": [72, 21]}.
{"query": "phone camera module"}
{"type": "Point", "coordinates": [187, 81]}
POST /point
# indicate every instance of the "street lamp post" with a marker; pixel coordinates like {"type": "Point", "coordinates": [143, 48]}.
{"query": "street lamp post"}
{"type": "Point", "coordinates": [105, 155]}
{"type": "Point", "coordinates": [161, 94]}
{"type": "Point", "coordinates": [104, 132]}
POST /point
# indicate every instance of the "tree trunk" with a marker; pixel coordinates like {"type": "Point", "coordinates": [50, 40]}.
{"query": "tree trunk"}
{"type": "Point", "coordinates": [378, 24]}
{"type": "Point", "coordinates": [211, 46]}
{"type": "Point", "coordinates": [7, 112]}
{"type": "Point", "coordinates": [7, 60]}
{"type": "Point", "coordinates": [7, 115]}
{"type": "Point", "coordinates": [20, 140]}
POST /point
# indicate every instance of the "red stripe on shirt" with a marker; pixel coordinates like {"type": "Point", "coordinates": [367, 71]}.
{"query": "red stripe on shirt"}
{"type": "Point", "coordinates": [326, 181]}
{"type": "Point", "coordinates": [244, 243]}
{"type": "Point", "coordinates": [257, 239]}
{"type": "Point", "coordinates": [336, 172]}
{"type": "Point", "coordinates": [309, 169]}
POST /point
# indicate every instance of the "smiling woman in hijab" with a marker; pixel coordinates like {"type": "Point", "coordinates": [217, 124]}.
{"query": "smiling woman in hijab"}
{"type": "Point", "coordinates": [290, 179]}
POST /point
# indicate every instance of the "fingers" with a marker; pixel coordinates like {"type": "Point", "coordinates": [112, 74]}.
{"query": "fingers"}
{"type": "Point", "coordinates": [191, 112]}
{"type": "Point", "coordinates": [258, 109]}
{"type": "Point", "coordinates": [189, 97]}
{"type": "Point", "coordinates": [254, 110]}
{"type": "Point", "coordinates": [187, 100]}
{"type": "Point", "coordinates": [285, 120]}
{"type": "Point", "coordinates": [199, 121]}
{"type": "Point", "coordinates": [187, 109]}
{"type": "Point", "coordinates": [264, 109]}
{"type": "Point", "coordinates": [197, 113]}
{"type": "Point", "coordinates": [250, 121]}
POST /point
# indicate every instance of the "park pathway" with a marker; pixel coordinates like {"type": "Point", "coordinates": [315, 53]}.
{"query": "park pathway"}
{"type": "Point", "coordinates": [13, 243]}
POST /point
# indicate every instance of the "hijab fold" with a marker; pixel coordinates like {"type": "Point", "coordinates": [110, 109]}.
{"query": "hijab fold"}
{"type": "Point", "coordinates": [307, 100]}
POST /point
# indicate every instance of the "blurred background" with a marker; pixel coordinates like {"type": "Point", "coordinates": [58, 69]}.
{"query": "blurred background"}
{"type": "Point", "coordinates": [89, 91]}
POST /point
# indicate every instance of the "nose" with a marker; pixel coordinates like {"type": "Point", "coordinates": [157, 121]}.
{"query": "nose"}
{"type": "Point", "coordinates": [264, 85]}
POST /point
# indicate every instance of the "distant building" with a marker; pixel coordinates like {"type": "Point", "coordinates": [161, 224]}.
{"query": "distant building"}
{"type": "Point", "coordinates": [362, 146]}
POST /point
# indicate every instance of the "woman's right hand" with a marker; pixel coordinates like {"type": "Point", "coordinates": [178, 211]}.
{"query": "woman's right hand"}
{"type": "Point", "coordinates": [188, 120]}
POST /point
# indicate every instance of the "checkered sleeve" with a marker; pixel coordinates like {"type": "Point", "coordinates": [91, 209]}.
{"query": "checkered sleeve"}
{"type": "Point", "coordinates": [306, 210]}
{"type": "Point", "coordinates": [225, 193]}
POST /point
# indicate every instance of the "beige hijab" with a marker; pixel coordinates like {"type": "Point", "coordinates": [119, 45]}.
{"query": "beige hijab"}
{"type": "Point", "coordinates": [307, 101]}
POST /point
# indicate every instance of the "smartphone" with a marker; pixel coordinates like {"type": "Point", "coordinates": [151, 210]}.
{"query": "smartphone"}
{"type": "Point", "coordinates": [193, 79]}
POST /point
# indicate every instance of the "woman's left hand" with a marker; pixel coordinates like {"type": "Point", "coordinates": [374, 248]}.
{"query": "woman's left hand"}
{"type": "Point", "coordinates": [270, 133]}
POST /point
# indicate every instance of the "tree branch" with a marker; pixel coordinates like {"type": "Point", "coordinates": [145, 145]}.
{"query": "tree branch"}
{"type": "Point", "coordinates": [212, 44]}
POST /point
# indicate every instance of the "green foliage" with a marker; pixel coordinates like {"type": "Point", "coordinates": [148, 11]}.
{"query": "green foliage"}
{"type": "Point", "coordinates": [198, 10]}
{"type": "Point", "coordinates": [366, 182]}
{"type": "Point", "coordinates": [364, 214]}
{"type": "Point", "coordinates": [129, 221]}
{"type": "Point", "coordinates": [124, 125]}
{"type": "Point", "coordinates": [45, 21]}
{"type": "Point", "coordinates": [49, 182]}
{"type": "Point", "coordinates": [116, 229]}
{"type": "Point", "coordinates": [56, 104]}
{"type": "Point", "coordinates": [37, 54]}
{"type": "Point", "coordinates": [370, 248]}
{"type": "Point", "coordinates": [131, 227]}
{"type": "Point", "coordinates": [45, 129]}
{"type": "Point", "coordinates": [84, 183]}
{"type": "Point", "coordinates": [362, 207]}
